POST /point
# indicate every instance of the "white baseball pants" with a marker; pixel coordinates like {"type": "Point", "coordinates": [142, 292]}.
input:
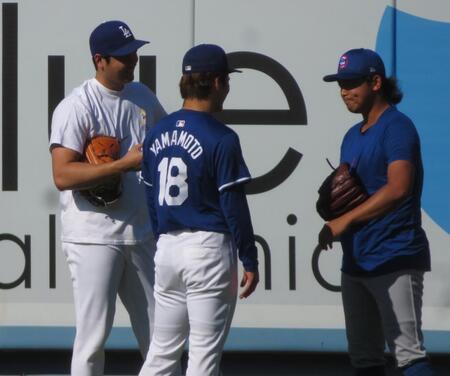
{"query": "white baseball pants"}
{"type": "Point", "coordinates": [100, 272]}
{"type": "Point", "coordinates": [383, 309]}
{"type": "Point", "coordinates": [195, 297]}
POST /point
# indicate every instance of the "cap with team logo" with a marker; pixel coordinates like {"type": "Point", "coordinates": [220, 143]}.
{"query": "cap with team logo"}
{"type": "Point", "coordinates": [206, 58]}
{"type": "Point", "coordinates": [357, 63]}
{"type": "Point", "coordinates": [113, 38]}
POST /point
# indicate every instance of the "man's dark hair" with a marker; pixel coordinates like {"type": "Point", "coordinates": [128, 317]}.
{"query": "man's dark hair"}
{"type": "Point", "coordinates": [107, 58]}
{"type": "Point", "coordinates": [390, 90]}
{"type": "Point", "coordinates": [199, 85]}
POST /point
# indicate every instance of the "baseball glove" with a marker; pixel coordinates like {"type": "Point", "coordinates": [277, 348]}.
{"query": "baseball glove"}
{"type": "Point", "coordinates": [340, 192]}
{"type": "Point", "coordinates": [99, 150]}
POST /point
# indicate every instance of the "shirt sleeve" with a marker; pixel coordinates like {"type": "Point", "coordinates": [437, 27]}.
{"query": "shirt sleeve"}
{"type": "Point", "coordinates": [70, 125]}
{"type": "Point", "coordinates": [149, 190]}
{"type": "Point", "coordinates": [401, 142]}
{"type": "Point", "coordinates": [149, 193]}
{"type": "Point", "coordinates": [229, 163]}
{"type": "Point", "coordinates": [234, 206]}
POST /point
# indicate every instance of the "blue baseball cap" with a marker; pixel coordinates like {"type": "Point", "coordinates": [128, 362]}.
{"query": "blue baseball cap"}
{"type": "Point", "coordinates": [206, 58]}
{"type": "Point", "coordinates": [357, 63]}
{"type": "Point", "coordinates": [113, 38]}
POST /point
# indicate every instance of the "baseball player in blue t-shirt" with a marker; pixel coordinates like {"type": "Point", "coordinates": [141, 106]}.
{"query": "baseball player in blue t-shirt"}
{"type": "Point", "coordinates": [195, 173]}
{"type": "Point", "coordinates": [385, 248]}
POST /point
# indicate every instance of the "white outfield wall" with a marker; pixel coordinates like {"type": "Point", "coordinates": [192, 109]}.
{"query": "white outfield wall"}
{"type": "Point", "coordinates": [289, 122]}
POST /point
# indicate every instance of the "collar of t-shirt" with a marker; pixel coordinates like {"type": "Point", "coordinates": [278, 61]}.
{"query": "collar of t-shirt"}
{"type": "Point", "coordinates": [379, 120]}
{"type": "Point", "coordinates": [107, 91]}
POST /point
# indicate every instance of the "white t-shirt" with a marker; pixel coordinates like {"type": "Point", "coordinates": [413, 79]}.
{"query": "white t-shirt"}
{"type": "Point", "coordinates": [92, 109]}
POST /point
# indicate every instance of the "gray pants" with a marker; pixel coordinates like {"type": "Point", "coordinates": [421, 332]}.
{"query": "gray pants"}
{"type": "Point", "coordinates": [383, 309]}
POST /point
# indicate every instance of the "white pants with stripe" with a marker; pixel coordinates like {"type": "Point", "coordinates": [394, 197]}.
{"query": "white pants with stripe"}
{"type": "Point", "coordinates": [100, 273]}
{"type": "Point", "coordinates": [384, 309]}
{"type": "Point", "coordinates": [195, 298]}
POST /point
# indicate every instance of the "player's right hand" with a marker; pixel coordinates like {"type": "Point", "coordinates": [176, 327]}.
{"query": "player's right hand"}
{"type": "Point", "coordinates": [133, 159]}
{"type": "Point", "coordinates": [249, 282]}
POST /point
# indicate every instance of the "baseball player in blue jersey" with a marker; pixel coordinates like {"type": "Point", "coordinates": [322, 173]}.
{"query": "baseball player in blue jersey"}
{"type": "Point", "coordinates": [195, 173]}
{"type": "Point", "coordinates": [386, 250]}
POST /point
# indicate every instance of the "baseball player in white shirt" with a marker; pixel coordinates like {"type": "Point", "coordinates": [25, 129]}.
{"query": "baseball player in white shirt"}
{"type": "Point", "coordinates": [109, 249]}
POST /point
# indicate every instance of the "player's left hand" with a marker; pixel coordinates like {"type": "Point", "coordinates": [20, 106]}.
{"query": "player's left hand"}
{"type": "Point", "coordinates": [326, 237]}
{"type": "Point", "coordinates": [332, 231]}
{"type": "Point", "coordinates": [249, 282]}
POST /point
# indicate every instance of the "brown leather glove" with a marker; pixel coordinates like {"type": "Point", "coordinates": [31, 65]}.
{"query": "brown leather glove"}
{"type": "Point", "coordinates": [98, 150]}
{"type": "Point", "coordinates": [340, 192]}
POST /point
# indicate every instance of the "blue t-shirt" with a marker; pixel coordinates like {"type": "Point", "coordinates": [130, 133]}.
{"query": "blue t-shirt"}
{"type": "Point", "coordinates": [189, 158]}
{"type": "Point", "coordinates": [395, 241]}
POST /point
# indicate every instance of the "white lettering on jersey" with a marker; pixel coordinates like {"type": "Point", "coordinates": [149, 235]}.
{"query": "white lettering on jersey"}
{"type": "Point", "coordinates": [165, 139]}
{"type": "Point", "coordinates": [196, 143]}
{"type": "Point", "coordinates": [158, 146]}
{"type": "Point", "coordinates": [174, 138]}
{"type": "Point", "coordinates": [183, 139]}
{"type": "Point", "coordinates": [188, 141]}
{"type": "Point", "coordinates": [197, 152]}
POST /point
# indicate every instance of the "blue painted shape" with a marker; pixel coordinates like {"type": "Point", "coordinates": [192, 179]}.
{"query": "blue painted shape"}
{"type": "Point", "coordinates": [277, 339]}
{"type": "Point", "coordinates": [239, 339]}
{"type": "Point", "coordinates": [422, 57]}
{"type": "Point", "coordinates": [57, 337]}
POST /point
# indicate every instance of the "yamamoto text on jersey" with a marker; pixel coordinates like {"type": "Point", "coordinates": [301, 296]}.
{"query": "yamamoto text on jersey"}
{"type": "Point", "coordinates": [183, 139]}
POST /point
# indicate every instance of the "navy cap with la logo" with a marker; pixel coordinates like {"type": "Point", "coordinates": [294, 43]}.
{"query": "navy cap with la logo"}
{"type": "Point", "coordinates": [114, 38]}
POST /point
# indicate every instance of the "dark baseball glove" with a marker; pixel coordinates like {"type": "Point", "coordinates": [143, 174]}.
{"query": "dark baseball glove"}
{"type": "Point", "coordinates": [340, 192]}
{"type": "Point", "coordinates": [99, 150]}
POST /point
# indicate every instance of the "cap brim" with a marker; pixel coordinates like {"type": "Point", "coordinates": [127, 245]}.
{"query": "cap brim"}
{"type": "Point", "coordinates": [342, 76]}
{"type": "Point", "coordinates": [211, 71]}
{"type": "Point", "coordinates": [330, 78]}
{"type": "Point", "coordinates": [129, 48]}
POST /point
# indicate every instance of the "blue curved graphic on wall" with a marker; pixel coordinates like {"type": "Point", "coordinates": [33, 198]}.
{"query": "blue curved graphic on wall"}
{"type": "Point", "coordinates": [422, 65]}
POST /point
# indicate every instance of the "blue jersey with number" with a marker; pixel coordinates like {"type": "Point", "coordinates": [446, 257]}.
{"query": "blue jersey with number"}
{"type": "Point", "coordinates": [189, 158]}
{"type": "Point", "coordinates": [396, 240]}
